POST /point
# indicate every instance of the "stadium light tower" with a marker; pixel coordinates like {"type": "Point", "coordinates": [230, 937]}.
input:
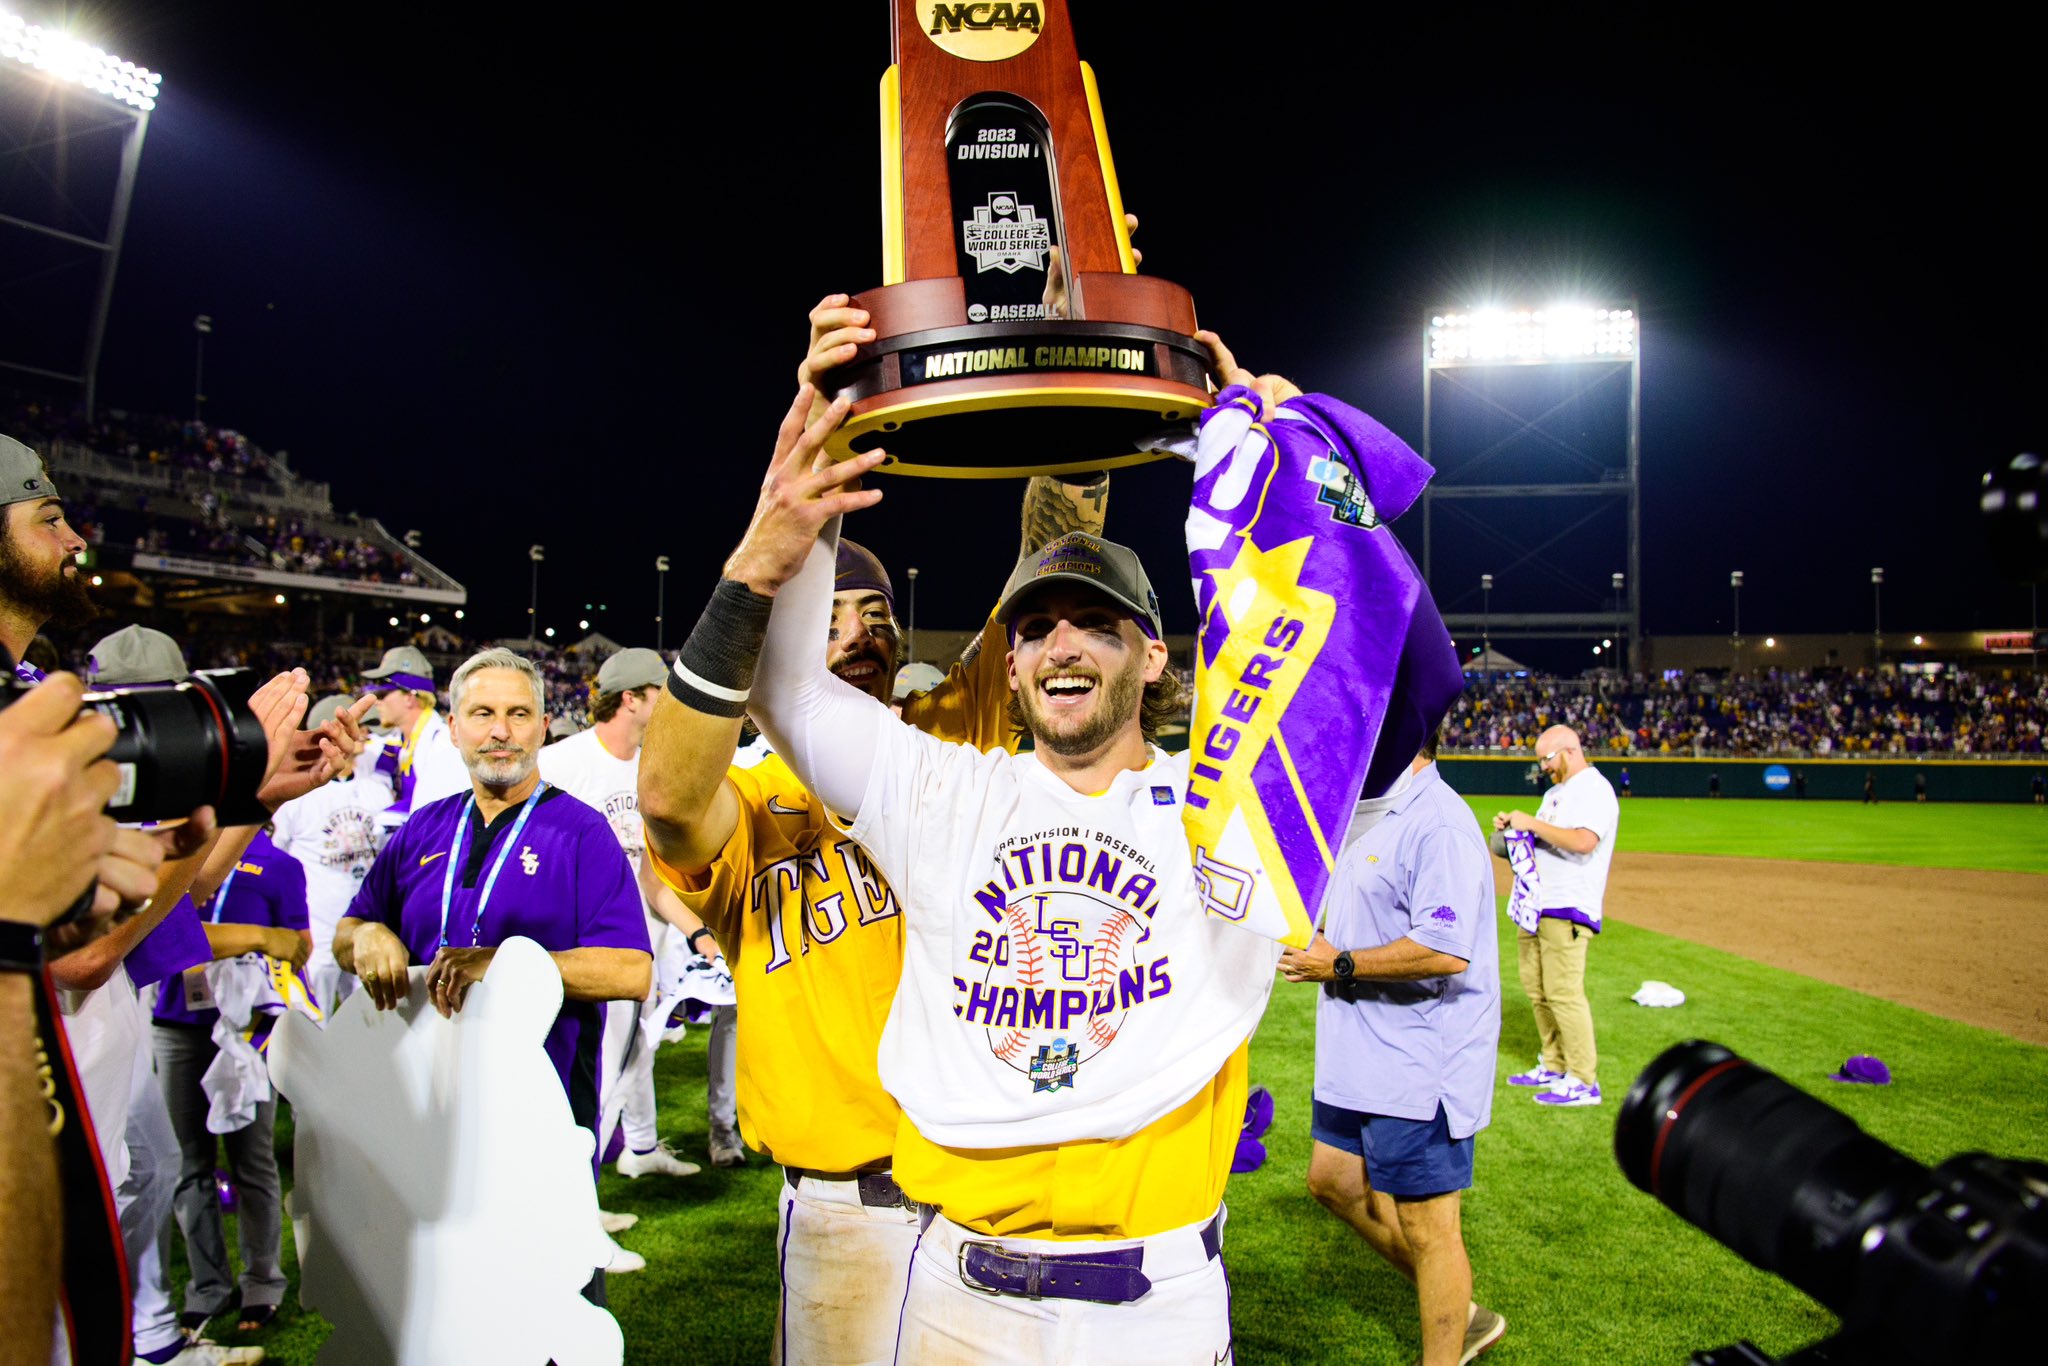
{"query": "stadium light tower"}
{"type": "Point", "coordinates": [1500, 441]}
{"type": "Point", "coordinates": [1486, 627]}
{"type": "Point", "coordinates": [1735, 637]}
{"type": "Point", "coordinates": [54, 69]}
{"type": "Point", "coordinates": [660, 597]}
{"type": "Point", "coordinates": [1876, 617]}
{"type": "Point", "coordinates": [535, 553]}
{"type": "Point", "coordinates": [910, 646]}
{"type": "Point", "coordinates": [1620, 583]}
{"type": "Point", "coordinates": [202, 328]}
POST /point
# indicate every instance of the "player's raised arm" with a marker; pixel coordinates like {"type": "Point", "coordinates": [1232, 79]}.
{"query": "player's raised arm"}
{"type": "Point", "coordinates": [713, 681]}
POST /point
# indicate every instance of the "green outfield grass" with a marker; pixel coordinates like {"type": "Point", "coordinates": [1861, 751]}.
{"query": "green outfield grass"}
{"type": "Point", "coordinates": [1585, 1268]}
{"type": "Point", "coordinates": [1997, 836]}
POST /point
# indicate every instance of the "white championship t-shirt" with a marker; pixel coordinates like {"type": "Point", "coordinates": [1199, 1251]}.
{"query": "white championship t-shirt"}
{"type": "Point", "coordinates": [1061, 981]}
{"type": "Point", "coordinates": [1577, 882]}
{"type": "Point", "coordinates": [582, 767]}
{"type": "Point", "coordinates": [334, 833]}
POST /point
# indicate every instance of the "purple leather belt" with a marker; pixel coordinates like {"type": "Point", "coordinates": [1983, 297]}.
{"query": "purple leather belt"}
{"type": "Point", "coordinates": [1113, 1277]}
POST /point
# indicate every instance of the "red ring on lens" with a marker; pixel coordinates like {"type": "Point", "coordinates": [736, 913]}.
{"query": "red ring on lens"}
{"type": "Point", "coordinates": [1670, 1119]}
{"type": "Point", "coordinates": [221, 725]}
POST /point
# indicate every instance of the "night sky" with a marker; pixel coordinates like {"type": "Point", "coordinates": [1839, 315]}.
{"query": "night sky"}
{"type": "Point", "coordinates": [544, 283]}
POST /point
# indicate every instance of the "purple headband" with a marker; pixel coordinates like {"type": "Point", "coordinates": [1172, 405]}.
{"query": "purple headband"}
{"type": "Point", "coordinates": [858, 568]}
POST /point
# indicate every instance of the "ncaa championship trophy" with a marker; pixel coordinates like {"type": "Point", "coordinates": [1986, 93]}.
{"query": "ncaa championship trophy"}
{"type": "Point", "coordinates": [993, 154]}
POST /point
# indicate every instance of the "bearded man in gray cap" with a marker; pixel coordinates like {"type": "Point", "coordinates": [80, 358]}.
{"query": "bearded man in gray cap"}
{"type": "Point", "coordinates": [425, 766]}
{"type": "Point", "coordinates": [39, 579]}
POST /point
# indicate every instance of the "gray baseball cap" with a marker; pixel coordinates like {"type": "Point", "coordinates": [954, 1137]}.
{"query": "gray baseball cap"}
{"type": "Point", "coordinates": [1110, 569]}
{"type": "Point", "coordinates": [635, 668]}
{"type": "Point", "coordinates": [404, 667]}
{"type": "Point", "coordinates": [136, 654]}
{"type": "Point", "coordinates": [22, 476]}
{"type": "Point", "coordinates": [325, 710]}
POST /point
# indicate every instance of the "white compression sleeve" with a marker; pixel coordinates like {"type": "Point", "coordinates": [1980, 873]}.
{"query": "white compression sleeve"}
{"type": "Point", "coordinates": [823, 728]}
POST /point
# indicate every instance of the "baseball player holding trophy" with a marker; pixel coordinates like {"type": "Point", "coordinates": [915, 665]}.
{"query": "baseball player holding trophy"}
{"type": "Point", "coordinates": [1068, 1039]}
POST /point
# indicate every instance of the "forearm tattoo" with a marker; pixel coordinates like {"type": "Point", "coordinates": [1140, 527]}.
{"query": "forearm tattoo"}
{"type": "Point", "coordinates": [1054, 507]}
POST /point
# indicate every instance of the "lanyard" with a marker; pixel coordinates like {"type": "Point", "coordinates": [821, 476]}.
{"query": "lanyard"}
{"type": "Point", "coordinates": [476, 929]}
{"type": "Point", "coordinates": [220, 898]}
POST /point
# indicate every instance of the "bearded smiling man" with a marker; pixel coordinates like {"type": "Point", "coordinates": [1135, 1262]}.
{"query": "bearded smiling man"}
{"type": "Point", "coordinates": [39, 580]}
{"type": "Point", "coordinates": [513, 856]}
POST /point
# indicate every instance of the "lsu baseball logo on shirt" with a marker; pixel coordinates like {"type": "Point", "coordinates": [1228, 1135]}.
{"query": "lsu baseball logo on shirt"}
{"type": "Point", "coordinates": [1062, 959]}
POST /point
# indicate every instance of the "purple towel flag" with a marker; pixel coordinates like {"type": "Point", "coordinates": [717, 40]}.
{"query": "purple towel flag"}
{"type": "Point", "coordinates": [1321, 664]}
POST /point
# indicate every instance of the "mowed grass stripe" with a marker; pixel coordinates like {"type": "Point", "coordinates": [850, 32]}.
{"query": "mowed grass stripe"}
{"type": "Point", "coordinates": [2001, 837]}
{"type": "Point", "coordinates": [1586, 1268]}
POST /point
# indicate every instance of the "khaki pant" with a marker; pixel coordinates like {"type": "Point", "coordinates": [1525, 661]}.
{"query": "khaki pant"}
{"type": "Point", "coordinates": [1553, 963]}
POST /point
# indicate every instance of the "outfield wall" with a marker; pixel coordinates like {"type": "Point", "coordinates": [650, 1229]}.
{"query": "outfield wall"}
{"type": "Point", "coordinates": [1948, 780]}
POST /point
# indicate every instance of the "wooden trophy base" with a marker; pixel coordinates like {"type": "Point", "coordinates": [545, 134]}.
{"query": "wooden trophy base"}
{"type": "Point", "coordinates": [948, 397]}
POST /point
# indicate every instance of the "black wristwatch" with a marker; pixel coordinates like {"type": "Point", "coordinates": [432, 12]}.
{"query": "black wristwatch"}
{"type": "Point", "coordinates": [21, 946]}
{"type": "Point", "coordinates": [1344, 967]}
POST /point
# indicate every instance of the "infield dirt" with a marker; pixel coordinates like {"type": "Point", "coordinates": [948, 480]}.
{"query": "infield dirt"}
{"type": "Point", "coordinates": [1962, 944]}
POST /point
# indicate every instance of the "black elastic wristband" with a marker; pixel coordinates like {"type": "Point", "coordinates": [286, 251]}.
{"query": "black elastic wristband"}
{"type": "Point", "coordinates": [691, 942]}
{"type": "Point", "coordinates": [21, 947]}
{"type": "Point", "coordinates": [714, 671]}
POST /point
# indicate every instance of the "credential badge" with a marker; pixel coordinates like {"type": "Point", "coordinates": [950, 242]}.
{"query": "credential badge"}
{"type": "Point", "coordinates": [1005, 235]}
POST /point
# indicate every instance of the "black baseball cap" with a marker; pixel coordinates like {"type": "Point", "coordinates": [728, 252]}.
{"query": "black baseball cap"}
{"type": "Point", "coordinates": [1077, 557]}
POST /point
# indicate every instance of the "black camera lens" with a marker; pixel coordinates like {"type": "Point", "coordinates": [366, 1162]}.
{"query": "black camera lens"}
{"type": "Point", "coordinates": [1921, 1266]}
{"type": "Point", "coordinates": [186, 745]}
{"type": "Point", "coordinates": [1784, 1179]}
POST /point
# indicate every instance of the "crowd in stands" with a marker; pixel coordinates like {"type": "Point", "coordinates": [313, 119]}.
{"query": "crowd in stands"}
{"type": "Point", "coordinates": [288, 543]}
{"type": "Point", "coordinates": [1790, 713]}
{"type": "Point", "coordinates": [213, 528]}
{"type": "Point", "coordinates": [181, 444]}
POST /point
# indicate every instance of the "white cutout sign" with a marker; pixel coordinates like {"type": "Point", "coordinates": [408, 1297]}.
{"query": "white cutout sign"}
{"type": "Point", "coordinates": [443, 1204]}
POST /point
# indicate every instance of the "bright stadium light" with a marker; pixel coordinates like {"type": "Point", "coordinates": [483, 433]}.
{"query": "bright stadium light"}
{"type": "Point", "coordinates": [278, 599]}
{"type": "Point", "coordinates": [1524, 336]}
{"type": "Point", "coordinates": [458, 614]}
{"type": "Point", "coordinates": [62, 57]}
{"type": "Point", "coordinates": [97, 581]}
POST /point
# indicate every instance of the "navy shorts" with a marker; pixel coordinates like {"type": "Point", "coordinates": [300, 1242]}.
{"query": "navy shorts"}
{"type": "Point", "coordinates": [1410, 1159]}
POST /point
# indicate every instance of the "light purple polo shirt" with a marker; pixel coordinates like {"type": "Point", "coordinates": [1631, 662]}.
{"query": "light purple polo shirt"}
{"type": "Point", "coordinates": [268, 887]}
{"type": "Point", "coordinates": [566, 885]}
{"type": "Point", "coordinates": [1402, 1048]}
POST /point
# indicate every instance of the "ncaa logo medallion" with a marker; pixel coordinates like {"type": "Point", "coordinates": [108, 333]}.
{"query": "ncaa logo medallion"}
{"type": "Point", "coordinates": [1005, 235]}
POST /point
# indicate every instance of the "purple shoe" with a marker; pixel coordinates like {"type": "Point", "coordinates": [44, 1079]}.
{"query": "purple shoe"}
{"type": "Point", "coordinates": [1569, 1092]}
{"type": "Point", "coordinates": [1538, 1076]}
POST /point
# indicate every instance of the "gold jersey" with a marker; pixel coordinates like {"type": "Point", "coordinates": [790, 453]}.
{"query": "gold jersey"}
{"type": "Point", "coordinates": [1169, 1174]}
{"type": "Point", "coordinates": [814, 937]}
